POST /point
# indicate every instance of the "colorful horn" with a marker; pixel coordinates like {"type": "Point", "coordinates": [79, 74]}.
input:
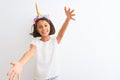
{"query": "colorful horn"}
{"type": "Point", "coordinates": [38, 13]}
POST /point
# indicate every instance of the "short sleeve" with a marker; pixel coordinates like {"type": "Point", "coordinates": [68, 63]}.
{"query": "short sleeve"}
{"type": "Point", "coordinates": [55, 40]}
{"type": "Point", "coordinates": [34, 42]}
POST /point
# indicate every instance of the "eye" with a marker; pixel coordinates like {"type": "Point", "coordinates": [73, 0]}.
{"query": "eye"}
{"type": "Point", "coordinates": [39, 27]}
{"type": "Point", "coordinates": [46, 25]}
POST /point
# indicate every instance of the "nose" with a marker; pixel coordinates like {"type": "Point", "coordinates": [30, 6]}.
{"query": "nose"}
{"type": "Point", "coordinates": [43, 28]}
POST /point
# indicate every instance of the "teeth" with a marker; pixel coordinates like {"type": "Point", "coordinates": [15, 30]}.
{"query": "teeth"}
{"type": "Point", "coordinates": [44, 32]}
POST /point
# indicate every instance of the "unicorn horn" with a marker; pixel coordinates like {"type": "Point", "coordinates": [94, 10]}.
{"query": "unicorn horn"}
{"type": "Point", "coordinates": [38, 13]}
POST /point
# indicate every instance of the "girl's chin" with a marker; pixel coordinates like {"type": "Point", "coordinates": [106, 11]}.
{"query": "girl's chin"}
{"type": "Point", "coordinates": [45, 35]}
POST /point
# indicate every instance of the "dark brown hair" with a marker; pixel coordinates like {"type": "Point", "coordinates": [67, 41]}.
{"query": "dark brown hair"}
{"type": "Point", "coordinates": [35, 32]}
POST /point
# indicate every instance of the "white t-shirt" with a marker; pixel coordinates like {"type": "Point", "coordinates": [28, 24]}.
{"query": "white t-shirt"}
{"type": "Point", "coordinates": [46, 61]}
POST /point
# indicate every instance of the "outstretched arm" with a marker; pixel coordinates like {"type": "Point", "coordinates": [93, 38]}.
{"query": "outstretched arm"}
{"type": "Point", "coordinates": [18, 66]}
{"type": "Point", "coordinates": [69, 14]}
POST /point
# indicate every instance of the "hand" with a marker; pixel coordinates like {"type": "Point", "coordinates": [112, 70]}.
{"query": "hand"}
{"type": "Point", "coordinates": [69, 13]}
{"type": "Point", "coordinates": [15, 71]}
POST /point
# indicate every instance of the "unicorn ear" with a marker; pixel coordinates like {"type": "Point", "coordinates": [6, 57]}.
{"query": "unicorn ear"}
{"type": "Point", "coordinates": [37, 10]}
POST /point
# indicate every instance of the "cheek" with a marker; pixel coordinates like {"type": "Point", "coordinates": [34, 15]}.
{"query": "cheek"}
{"type": "Point", "coordinates": [49, 29]}
{"type": "Point", "coordinates": [38, 30]}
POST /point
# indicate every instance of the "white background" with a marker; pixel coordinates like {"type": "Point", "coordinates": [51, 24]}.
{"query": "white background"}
{"type": "Point", "coordinates": [90, 48]}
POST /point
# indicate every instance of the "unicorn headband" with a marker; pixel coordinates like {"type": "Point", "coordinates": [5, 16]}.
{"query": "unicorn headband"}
{"type": "Point", "coordinates": [39, 15]}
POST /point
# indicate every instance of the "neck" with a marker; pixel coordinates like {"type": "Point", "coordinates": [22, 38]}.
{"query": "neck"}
{"type": "Point", "coordinates": [46, 38]}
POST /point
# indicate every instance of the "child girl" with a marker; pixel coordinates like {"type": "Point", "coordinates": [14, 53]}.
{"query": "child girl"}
{"type": "Point", "coordinates": [44, 49]}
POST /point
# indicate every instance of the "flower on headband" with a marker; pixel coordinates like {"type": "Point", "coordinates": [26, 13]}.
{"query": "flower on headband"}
{"type": "Point", "coordinates": [41, 16]}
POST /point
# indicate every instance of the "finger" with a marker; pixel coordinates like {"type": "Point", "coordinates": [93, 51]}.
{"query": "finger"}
{"type": "Point", "coordinates": [68, 10]}
{"type": "Point", "coordinates": [72, 11]}
{"type": "Point", "coordinates": [13, 63]}
{"type": "Point", "coordinates": [72, 14]}
{"type": "Point", "coordinates": [10, 72]}
{"type": "Point", "coordinates": [65, 9]}
{"type": "Point", "coordinates": [13, 76]}
{"type": "Point", "coordinates": [73, 19]}
{"type": "Point", "coordinates": [18, 76]}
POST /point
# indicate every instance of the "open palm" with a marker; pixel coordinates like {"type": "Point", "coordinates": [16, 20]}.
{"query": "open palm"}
{"type": "Point", "coordinates": [15, 71]}
{"type": "Point", "coordinates": [69, 13]}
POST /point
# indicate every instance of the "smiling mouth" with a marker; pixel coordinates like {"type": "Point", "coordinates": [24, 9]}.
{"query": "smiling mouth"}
{"type": "Point", "coordinates": [44, 32]}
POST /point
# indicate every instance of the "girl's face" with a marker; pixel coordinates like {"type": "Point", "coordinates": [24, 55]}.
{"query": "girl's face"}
{"type": "Point", "coordinates": [43, 28]}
